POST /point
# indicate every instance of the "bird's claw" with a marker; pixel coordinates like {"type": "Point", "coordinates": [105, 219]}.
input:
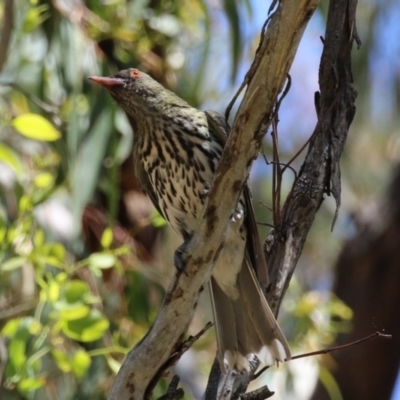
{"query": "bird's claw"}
{"type": "Point", "coordinates": [179, 262]}
{"type": "Point", "coordinates": [206, 191]}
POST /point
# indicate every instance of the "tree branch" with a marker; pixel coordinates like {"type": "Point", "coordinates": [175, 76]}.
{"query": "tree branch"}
{"type": "Point", "coordinates": [274, 59]}
{"type": "Point", "coordinates": [320, 172]}
{"type": "Point", "coordinates": [321, 167]}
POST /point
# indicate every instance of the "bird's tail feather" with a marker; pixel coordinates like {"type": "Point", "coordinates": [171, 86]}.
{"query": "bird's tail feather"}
{"type": "Point", "coordinates": [245, 326]}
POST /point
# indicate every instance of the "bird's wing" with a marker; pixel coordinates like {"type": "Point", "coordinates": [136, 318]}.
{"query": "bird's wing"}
{"type": "Point", "coordinates": [220, 128]}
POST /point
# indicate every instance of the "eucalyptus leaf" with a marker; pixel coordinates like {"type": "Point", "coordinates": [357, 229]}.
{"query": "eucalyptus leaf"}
{"type": "Point", "coordinates": [34, 126]}
{"type": "Point", "coordinates": [13, 263]}
{"type": "Point", "coordinates": [89, 163]}
{"type": "Point", "coordinates": [102, 260]}
{"type": "Point", "coordinates": [87, 329]}
{"type": "Point", "coordinates": [81, 363]}
{"type": "Point", "coordinates": [11, 158]}
{"type": "Point", "coordinates": [232, 12]}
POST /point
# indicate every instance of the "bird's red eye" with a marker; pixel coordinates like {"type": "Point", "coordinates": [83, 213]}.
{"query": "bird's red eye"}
{"type": "Point", "coordinates": [135, 73]}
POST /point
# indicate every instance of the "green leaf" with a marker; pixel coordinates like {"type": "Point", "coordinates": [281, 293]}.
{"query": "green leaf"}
{"type": "Point", "coordinates": [34, 126]}
{"type": "Point", "coordinates": [90, 159]}
{"type": "Point", "coordinates": [61, 277]}
{"type": "Point", "coordinates": [87, 329]}
{"type": "Point", "coordinates": [71, 304]}
{"type": "Point", "coordinates": [43, 180]}
{"type": "Point", "coordinates": [25, 204]}
{"type": "Point", "coordinates": [340, 309]}
{"type": "Point", "coordinates": [53, 291]}
{"type": "Point", "coordinates": [107, 238]}
{"type": "Point", "coordinates": [16, 350]}
{"type": "Point", "coordinates": [102, 260]}
{"type": "Point", "coordinates": [35, 17]}
{"type": "Point", "coordinates": [44, 260]}
{"type": "Point", "coordinates": [330, 384]}
{"type": "Point", "coordinates": [57, 250]}
{"type": "Point", "coordinates": [71, 313]}
{"type": "Point", "coordinates": [62, 360]}
{"type": "Point", "coordinates": [232, 12]}
{"type": "Point", "coordinates": [39, 238]}
{"type": "Point", "coordinates": [3, 235]}
{"type": "Point", "coordinates": [138, 297]}
{"type": "Point", "coordinates": [9, 157]}
{"type": "Point", "coordinates": [11, 327]}
{"type": "Point", "coordinates": [13, 263]}
{"type": "Point", "coordinates": [81, 363]}
{"type": "Point", "coordinates": [28, 384]}
{"type": "Point", "coordinates": [76, 291]}
{"type": "Point", "coordinates": [18, 343]}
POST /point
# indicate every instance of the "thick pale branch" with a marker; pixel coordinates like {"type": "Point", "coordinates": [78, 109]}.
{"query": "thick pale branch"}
{"type": "Point", "coordinates": [274, 58]}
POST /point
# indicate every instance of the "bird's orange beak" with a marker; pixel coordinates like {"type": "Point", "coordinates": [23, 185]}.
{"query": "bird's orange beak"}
{"type": "Point", "coordinates": [108, 83]}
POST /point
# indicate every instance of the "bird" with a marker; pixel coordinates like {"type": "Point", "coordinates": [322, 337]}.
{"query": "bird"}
{"type": "Point", "coordinates": [176, 152]}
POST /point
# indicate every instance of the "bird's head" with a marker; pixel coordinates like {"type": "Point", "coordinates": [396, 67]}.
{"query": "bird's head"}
{"type": "Point", "coordinates": [135, 91]}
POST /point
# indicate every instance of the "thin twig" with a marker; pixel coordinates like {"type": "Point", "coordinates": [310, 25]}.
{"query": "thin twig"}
{"type": "Point", "coordinates": [374, 335]}
{"type": "Point", "coordinates": [296, 155]}
{"type": "Point", "coordinates": [284, 93]}
{"type": "Point", "coordinates": [266, 224]}
{"type": "Point", "coordinates": [258, 394]}
{"type": "Point", "coordinates": [173, 393]}
{"type": "Point", "coordinates": [183, 348]}
{"type": "Point", "coordinates": [277, 171]}
{"type": "Point", "coordinates": [272, 6]}
{"type": "Point", "coordinates": [187, 344]}
{"type": "Point", "coordinates": [250, 72]}
{"type": "Point", "coordinates": [236, 95]}
{"type": "Point", "coordinates": [285, 166]}
{"type": "Point", "coordinates": [266, 206]}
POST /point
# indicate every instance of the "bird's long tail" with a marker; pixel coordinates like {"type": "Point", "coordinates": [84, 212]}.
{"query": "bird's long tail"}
{"type": "Point", "coordinates": [245, 325]}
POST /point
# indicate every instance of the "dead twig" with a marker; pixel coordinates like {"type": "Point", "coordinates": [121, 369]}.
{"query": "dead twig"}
{"type": "Point", "coordinates": [276, 165]}
{"type": "Point", "coordinates": [374, 335]}
{"type": "Point", "coordinates": [258, 394]}
{"type": "Point", "coordinates": [287, 165]}
{"type": "Point", "coordinates": [183, 348]}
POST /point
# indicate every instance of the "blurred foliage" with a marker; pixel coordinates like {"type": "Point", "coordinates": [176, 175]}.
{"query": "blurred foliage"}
{"type": "Point", "coordinates": [68, 314]}
{"type": "Point", "coordinates": [56, 315]}
{"type": "Point", "coordinates": [68, 311]}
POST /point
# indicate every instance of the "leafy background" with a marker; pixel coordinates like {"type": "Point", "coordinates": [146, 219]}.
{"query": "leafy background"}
{"type": "Point", "coordinates": [85, 259]}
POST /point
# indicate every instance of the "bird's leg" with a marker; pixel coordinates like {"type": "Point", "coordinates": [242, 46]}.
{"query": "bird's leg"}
{"type": "Point", "coordinates": [180, 254]}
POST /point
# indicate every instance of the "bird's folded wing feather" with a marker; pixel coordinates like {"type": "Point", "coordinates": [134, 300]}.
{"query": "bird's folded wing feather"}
{"type": "Point", "coordinates": [220, 128]}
